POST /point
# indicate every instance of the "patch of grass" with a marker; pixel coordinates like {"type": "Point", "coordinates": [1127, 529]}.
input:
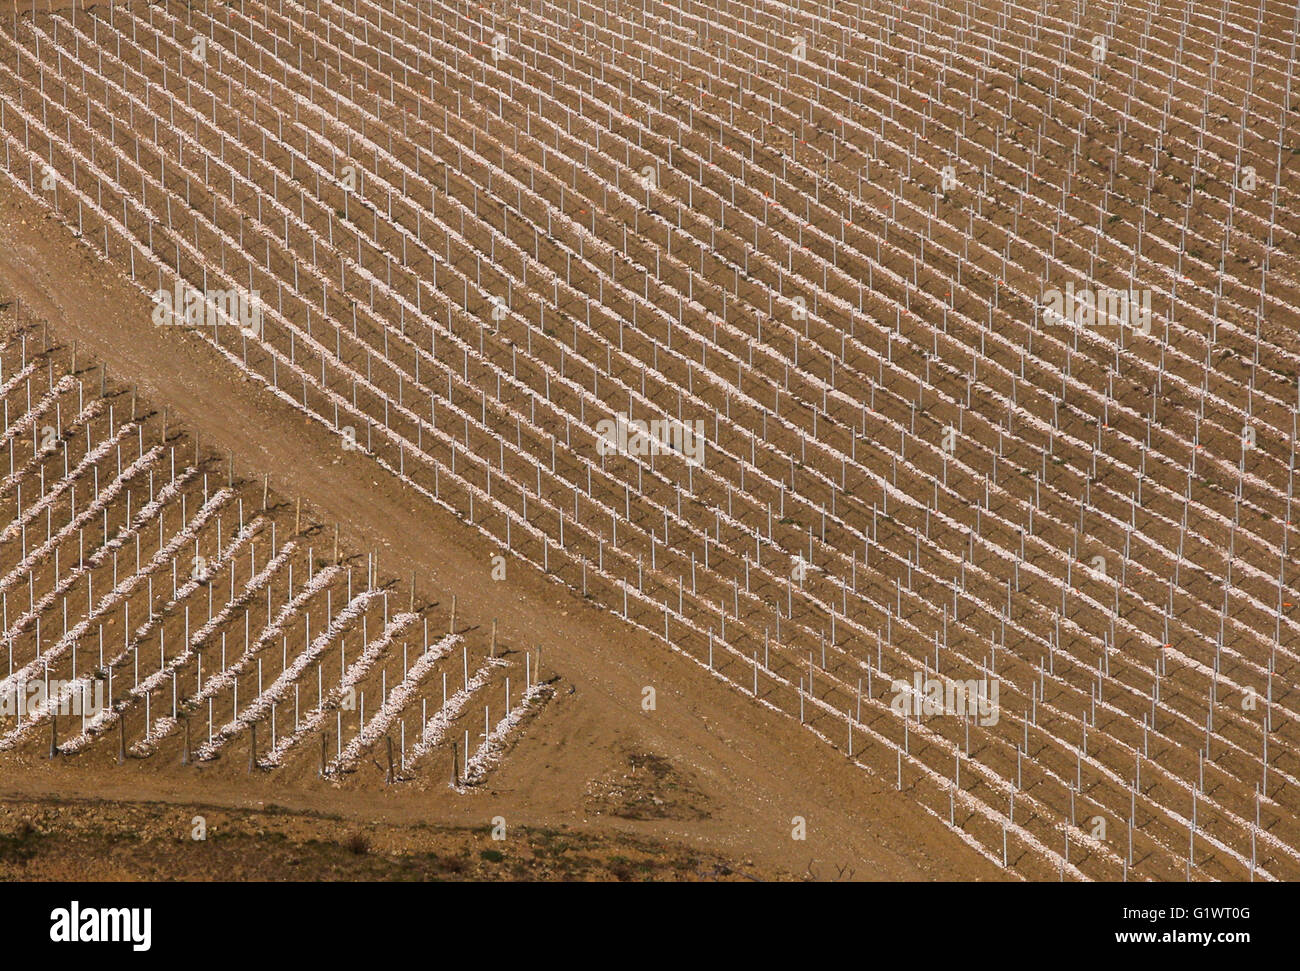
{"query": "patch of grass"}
{"type": "Point", "coordinates": [20, 845]}
{"type": "Point", "coordinates": [452, 864]}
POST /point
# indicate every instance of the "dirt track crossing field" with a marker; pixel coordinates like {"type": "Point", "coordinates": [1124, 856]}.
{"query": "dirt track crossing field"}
{"type": "Point", "coordinates": [830, 242]}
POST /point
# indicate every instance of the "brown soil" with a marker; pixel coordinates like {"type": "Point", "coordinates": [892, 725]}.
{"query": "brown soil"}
{"type": "Point", "coordinates": [918, 357]}
{"type": "Point", "coordinates": [75, 839]}
{"type": "Point", "coordinates": [751, 767]}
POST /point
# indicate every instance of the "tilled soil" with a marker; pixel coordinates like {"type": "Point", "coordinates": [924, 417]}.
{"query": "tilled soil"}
{"type": "Point", "coordinates": [917, 359]}
{"type": "Point", "coordinates": [751, 767]}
